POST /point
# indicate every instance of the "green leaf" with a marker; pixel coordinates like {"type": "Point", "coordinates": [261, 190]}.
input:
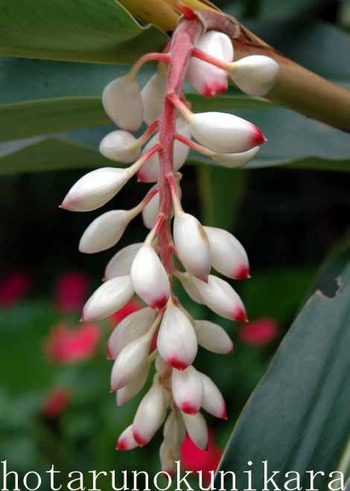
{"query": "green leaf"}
{"type": "Point", "coordinates": [220, 192]}
{"type": "Point", "coordinates": [298, 417]}
{"type": "Point", "coordinates": [80, 30]}
{"type": "Point", "coordinates": [25, 119]}
{"type": "Point", "coordinates": [45, 116]}
{"type": "Point", "coordinates": [49, 154]}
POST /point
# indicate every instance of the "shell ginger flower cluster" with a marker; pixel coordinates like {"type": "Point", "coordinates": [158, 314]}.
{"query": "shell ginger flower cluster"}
{"type": "Point", "coordinates": [163, 333]}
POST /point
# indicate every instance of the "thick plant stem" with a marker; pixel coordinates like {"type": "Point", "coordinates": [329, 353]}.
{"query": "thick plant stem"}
{"type": "Point", "coordinates": [180, 51]}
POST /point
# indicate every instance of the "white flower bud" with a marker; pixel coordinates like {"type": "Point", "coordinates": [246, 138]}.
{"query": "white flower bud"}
{"type": "Point", "coordinates": [212, 402]}
{"type": "Point", "coordinates": [126, 393]}
{"type": "Point", "coordinates": [232, 160]}
{"type": "Point", "coordinates": [149, 415]}
{"type": "Point", "coordinates": [108, 298]}
{"type": "Point", "coordinates": [174, 433]}
{"type": "Point", "coordinates": [105, 231]}
{"type": "Point", "coordinates": [120, 146]}
{"type": "Point", "coordinates": [95, 189]}
{"type": "Point", "coordinates": [153, 95]}
{"type": "Point", "coordinates": [190, 287]}
{"type": "Point", "coordinates": [126, 440]}
{"type": "Point", "coordinates": [225, 133]}
{"type": "Point", "coordinates": [206, 78]}
{"type": "Point", "coordinates": [149, 172]}
{"type": "Point", "coordinates": [168, 456]}
{"type": "Point", "coordinates": [130, 328]}
{"type": "Point", "coordinates": [149, 278]}
{"type": "Point", "coordinates": [177, 341]}
{"type": "Point", "coordinates": [120, 263]}
{"type": "Point", "coordinates": [227, 254]}
{"type": "Point", "coordinates": [255, 75]}
{"type": "Point", "coordinates": [150, 212]}
{"type": "Point", "coordinates": [213, 337]}
{"type": "Point", "coordinates": [122, 102]}
{"type": "Point", "coordinates": [197, 429]}
{"type": "Point", "coordinates": [221, 298]}
{"type": "Point", "coordinates": [174, 429]}
{"type": "Point", "coordinates": [187, 389]}
{"type": "Point", "coordinates": [130, 362]}
{"type": "Point", "coordinates": [192, 245]}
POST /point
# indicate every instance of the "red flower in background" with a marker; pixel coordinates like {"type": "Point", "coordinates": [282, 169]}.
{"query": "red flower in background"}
{"type": "Point", "coordinates": [194, 459]}
{"type": "Point", "coordinates": [56, 402]}
{"type": "Point", "coordinates": [260, 331]}
{"type": "Point", "coordinates": [66, 345]}
{"type": "Point", "coordinates": [71, 291]}
{"type": "Point", "coordinates": [13, 287]}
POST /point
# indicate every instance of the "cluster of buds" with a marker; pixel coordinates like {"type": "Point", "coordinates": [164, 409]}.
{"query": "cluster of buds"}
{"type": "Point", "coordinates": [177, 245]}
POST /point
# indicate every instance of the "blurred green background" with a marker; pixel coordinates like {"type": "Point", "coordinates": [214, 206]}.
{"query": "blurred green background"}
{"type": "Point", "coordinates": [287, 219]}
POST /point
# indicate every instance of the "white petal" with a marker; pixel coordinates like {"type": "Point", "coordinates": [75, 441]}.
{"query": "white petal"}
{"type": "Point", "coordinates": [105, 231]}
{"type": "Point", "coordinates": [225, 133]}
{"type": "Point", "coordinates": [197, 429]}
{"type": "Point", "coordinates": [120, 263]}
{"type": "Point", "coordinates": [221, 298]}
{"type": "Point", "coordinates": [213, 337]}
{"type": "Point", "coordinates": [232, 160]}
{"type": "Point", "coordinates": [123, 103]}
{"type": "Point", "coordinates": [95, 189]}
{"type": "Point", "coordinates": [129, 391]}
{"type": "Point", "coordinates": [177, 341]}
{"type": "Point", "coordinates": [208, 79]}
{"type": "Point", "coordinates": [130, 328]}
{"type": "Point", "coordinates": [187, 389]}
{"type": "Point", "coordinates": [192, 245]}
{"type": "Point", "coordinates": [213, 402]}
{"type": "Point", "coordinates": [150, 212]}
{"type": "Point", "coordinates": [149, 278]}
{"type": "Point", "coordinates": [149, 415]}
{"type": "Point", "coordinates": [153, 95]}
{"type": "Point", "coordinates": [255, 75]}
{"type": "Point", "coordinates": [106, 300]}
{"type": "Point", "coordinates": [126, 440]}
{"type": "Point", "coordinates": [131, 361]}
{"type": "Point", "coordinates": [228, 256]}
{"type": "Point", "coordinates": [149, 172]}
{"type": "Point", "coordinates": [120, 146]}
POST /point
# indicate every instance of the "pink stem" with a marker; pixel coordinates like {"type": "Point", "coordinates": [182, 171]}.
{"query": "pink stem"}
{"type": "Point", "coordinates": [197, 53]}
{"type": "Point", "coordinates": [181, 49]}
{"type": "Point", "coordinates": [164, 57]}
{"type": "Point", "coordinates": [193, 145]}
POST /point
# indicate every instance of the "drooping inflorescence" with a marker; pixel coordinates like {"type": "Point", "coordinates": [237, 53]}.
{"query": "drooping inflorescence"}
{"type": "Point", "coordinates": [177, 245]}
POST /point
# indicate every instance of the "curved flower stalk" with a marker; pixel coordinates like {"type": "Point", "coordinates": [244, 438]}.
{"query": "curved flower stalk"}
{"type": "Point", "coordinates": [164, 332]}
